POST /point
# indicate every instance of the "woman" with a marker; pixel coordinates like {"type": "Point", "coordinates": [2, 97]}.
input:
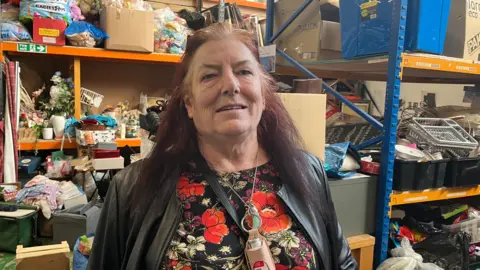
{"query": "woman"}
{"type": "Point", "coordinates": [223, 121]}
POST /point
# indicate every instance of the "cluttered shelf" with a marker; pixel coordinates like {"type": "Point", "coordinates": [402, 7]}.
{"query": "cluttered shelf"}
{"type": "Point", "coordinates": [416, 67]}
{"type": "Point", "coordinates": [409, 197]}
{"type": "Point", "coordinates": [243, 3]}
{"type": "Point", "coordinates": [56, 144]}
{"type": "Point", "coordinates": [30, 48]}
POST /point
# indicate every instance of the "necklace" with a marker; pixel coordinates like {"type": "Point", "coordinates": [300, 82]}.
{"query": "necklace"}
{"type": "Point", "coordinates": [251, 211]}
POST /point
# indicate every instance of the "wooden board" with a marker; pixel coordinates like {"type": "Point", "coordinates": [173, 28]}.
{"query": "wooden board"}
{"type": "Point", "coordinates": [308, 113]}
{"type": "Point", "coordinates": [43, 257]}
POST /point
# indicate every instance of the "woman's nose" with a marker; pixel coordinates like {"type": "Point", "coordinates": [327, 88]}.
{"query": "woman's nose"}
{"type": "Point", "coordinates": [230, 83]}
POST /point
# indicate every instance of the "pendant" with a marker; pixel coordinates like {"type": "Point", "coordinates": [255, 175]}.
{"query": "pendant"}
{"type": "Point", "coordinates": [254, 217]}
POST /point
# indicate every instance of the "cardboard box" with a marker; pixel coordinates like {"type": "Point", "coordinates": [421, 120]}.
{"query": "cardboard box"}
{"type": "Point", "coordinates": [463, 32]}
{"type": "Point", "coordinates": [129, 30]}
{"type": "Point", "coordinates": [49, 31]}
{"type": "Point", "coordinates": [308, 38]}
{"type": "Point", "coordinates": [308, 114]}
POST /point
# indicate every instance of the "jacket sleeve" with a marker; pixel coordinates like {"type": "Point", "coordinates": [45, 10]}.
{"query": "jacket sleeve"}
{"type": "Point", "coordinates": [343, 256]}
{"type": "Point", "coordinates": [107, 245]}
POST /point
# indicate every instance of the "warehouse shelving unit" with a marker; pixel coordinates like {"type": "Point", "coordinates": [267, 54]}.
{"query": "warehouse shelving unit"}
{"type": "Point", "coordinates": [398, 66]}
{"type": "Point", "coordinates": [77, 54]}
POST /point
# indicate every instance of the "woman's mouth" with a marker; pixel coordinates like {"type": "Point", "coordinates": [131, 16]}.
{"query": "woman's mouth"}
{"type": "Point", "coordinates": [232, 107]}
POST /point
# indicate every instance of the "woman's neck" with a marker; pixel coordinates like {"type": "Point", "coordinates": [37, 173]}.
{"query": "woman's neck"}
{"type": "Point", "coordinates": [232, 155]}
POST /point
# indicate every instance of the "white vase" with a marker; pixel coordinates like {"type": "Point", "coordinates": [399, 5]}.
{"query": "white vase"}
{"type": "Point", "coordinates": [58, 123]}
{"type": "Point", "coordinates": [47, 133]}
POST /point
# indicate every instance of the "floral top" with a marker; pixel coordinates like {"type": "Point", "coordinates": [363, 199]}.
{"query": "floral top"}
{"type": "Point", "coordinates": [208, 238]}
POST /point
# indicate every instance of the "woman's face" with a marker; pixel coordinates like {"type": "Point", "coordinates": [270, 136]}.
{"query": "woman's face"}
{"type": "Point", "coordinates": [226, 97]}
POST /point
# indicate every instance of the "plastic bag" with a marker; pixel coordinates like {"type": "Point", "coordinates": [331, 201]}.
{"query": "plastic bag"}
{"type": "Point", "coordinates": [335, 155]}
{"type": "Point", "coordinates": [135, 5]}
{"type": "Point", "coordinates": [405, 258]}
{"type": "Point", "coordinates": [402, 263]}
{"type": "Point", "coordinates": [58, 10]}
{"type": "Point", "coordinates": [84, 34]}
{"type": "Point", "coordinates": [13, 31]}
{"type": "Point", "coordinates": [8, 12]}
{"type": "Point", "coordinates": [449, 251]}
{"type": "Point", "coordinates": [170, 33]}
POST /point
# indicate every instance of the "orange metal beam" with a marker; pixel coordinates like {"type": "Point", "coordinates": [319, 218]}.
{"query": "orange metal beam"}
{"type": "Point", "coordinates": [1, 51]}
{"type": "Point", "coordinates": [77, 82]}
{"type": "Point", "coordinates": [97, 53]}
{"type": "Point", "coordinates": [433, 195]}
{"type": "Point", "coordinates": [244, 3]}
{"type": "Point", "coordinates": [55, 144]}
{"type": "Point", "coordinates": [439, 63]}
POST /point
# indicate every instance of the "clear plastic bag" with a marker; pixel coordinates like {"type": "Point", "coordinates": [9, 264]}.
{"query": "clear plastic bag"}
{"type": "Point", "coordinates": [84, 34]}
{"type": "Point", "coordinates": [405, 258]}
{"type": "Point", "coordinates": [13, 31]}
{"type": "Point", "coordinates": [57, 10]}
{"type": "Point", "coordinates": [170, 32]}
{"type": "Point", "coordinates": [401, 263]}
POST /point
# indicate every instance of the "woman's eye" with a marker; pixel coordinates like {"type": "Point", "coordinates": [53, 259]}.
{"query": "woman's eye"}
{"type": "Point", "coordinates": [244, 72]}
{"type": "Point", "coordinates": [208, 77]}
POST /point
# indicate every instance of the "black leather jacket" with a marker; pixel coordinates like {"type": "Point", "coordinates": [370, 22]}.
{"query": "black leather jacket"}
{"type": "Point", "coordinates": [140, 243]}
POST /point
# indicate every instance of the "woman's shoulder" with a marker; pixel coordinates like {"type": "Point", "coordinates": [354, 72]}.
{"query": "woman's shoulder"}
{"type": "Point", "coordinates": [125, 180]}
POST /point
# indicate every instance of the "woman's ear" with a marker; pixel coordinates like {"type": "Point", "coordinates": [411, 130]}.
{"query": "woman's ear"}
{"type": "Point", "coordinates": [188, 105]}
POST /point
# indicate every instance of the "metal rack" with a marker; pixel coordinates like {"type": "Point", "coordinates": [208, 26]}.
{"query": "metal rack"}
{"type": "Point", "coordinates": [395, 68]}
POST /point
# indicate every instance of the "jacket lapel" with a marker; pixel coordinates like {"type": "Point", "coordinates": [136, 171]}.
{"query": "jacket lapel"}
{"type": "Point", "coordinates": [311, 221]}
{"type": "Point", "coordinates": [162, 211]}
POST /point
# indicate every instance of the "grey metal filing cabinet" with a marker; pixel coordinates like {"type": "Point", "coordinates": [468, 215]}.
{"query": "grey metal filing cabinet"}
{"type": "Point", "coordinates": [354, 199]}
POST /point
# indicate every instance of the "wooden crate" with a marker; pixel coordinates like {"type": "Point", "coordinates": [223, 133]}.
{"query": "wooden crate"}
{"type": "Point", "coordinates": [51, 257]}
{"type": "Point", "coordinates": [362, 250]}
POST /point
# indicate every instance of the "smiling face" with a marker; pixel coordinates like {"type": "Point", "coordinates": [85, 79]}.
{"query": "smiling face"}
{"type": "Point", "coordinates": [225, 97]}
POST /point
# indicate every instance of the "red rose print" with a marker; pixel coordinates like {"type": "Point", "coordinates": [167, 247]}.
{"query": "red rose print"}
{"type": "Point", "coordinates": [185, 189]}
{"type": "Point", "coordinates": [299, 268]}
{"type": "Point", "coordinates": [280, 267]}
{"type": "Point", "coordinates": [214, 221]}
{"type": "Point", "coordinates": [274, 218]}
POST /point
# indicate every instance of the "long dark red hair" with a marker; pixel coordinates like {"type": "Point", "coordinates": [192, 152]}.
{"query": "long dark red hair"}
{"type": "Point", "coordinates": [176, 138]}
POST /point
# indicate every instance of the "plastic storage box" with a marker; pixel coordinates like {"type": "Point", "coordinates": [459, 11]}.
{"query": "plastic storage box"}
{"type": "Point", "coordinates": [463, 172]}
{"type": "Point", "coordinates": [471, 226]}
{"type": "Point", "coordinates": [366, 26]}
{"type": "Point", "coordinates": [414, 175]}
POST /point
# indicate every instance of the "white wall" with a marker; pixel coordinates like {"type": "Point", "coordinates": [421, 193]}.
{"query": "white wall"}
{"type": "Point", "coordinates": [446, 94]}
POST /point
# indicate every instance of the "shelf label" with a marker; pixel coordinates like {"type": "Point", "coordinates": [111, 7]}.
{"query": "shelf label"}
{"type": "Point", "coordinates": [464, 68]}
{"type": "Point", "coordinates": [427, 65]}
{"type": "Point", "coordinates": [33, 48]}
{"type": "Point", "coordinates": [416, 199]}
{"type": "Point", "coordinates": [457, 194]}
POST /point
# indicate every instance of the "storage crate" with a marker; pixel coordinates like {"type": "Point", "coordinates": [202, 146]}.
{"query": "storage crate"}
{"type": "Point", "coordinates": [463, 172]}
{"type": "Point", "coordinates": [366, 26]}
{"type": "Point", "coordinates": [414, 175]}
{"type": "Point", "coordinates": [471, 226]}
{"type": "Point", "coordinates": [17, 228]}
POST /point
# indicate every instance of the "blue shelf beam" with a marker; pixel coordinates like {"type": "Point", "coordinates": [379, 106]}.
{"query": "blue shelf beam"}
{"type": "Point", "coordinates": [331, 91]}
{"type": "Point", "coordinates": [290, 20]}
{"type": "Point", "coordinates": [392, 100]}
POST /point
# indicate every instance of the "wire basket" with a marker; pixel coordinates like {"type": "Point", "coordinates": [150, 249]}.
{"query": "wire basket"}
{"type": "Point", "coordinates": [441, 135]}
{"type": "Point", "coordinates": [90, 98]}
{"type": "Point", "coordinates": [444, 132]}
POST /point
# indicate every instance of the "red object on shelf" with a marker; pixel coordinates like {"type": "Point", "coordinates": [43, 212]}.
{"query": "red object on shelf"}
{"type": "Point", "coordinates": [101, 153]}
{"type": "Point", "coordinates": [370, 167]}
{"type": "Point", "coordinates": [49, 31]}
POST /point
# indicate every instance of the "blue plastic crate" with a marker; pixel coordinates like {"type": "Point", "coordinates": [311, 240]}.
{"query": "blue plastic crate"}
{"type": "Point", "coordinates": [365, 26]}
